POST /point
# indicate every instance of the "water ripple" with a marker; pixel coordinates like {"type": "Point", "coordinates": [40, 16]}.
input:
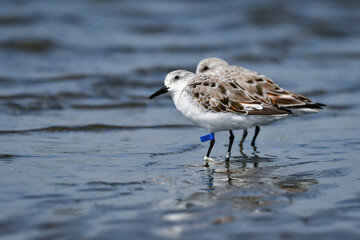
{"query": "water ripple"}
{"type": "Point", "coordinates": [91, 128]}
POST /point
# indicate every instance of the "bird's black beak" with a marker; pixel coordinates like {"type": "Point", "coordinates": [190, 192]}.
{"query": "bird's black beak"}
{"type": "Point", "coordinates": [159, 92]}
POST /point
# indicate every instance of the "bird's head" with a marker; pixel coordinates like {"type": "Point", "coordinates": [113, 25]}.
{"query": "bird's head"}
{"type": "Point", "coordinates": [175, 81]}
{"type": "Point", "coordinates": [209, 64]}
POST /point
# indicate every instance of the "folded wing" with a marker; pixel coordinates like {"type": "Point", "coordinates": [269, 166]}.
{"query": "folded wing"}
{"type": "Point", "coordinates": [267, 90]}
{"type": "Point", "coordinates": [226, 95]}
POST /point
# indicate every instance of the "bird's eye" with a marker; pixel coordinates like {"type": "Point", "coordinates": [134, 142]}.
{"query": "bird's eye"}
{"type": "Point", "coordinates": [176, 77]}
{"type": "Point", "coordinates": [206, 68]}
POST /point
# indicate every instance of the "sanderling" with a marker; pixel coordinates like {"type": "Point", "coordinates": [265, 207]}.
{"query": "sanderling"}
{"type": "Point", "coordinates": [217, 104]}
{"type": "Point", "coordinates": [259, 86]}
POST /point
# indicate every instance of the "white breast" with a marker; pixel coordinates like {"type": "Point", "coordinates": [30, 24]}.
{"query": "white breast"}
{"type": "Point", "coordinates": [214, 122]}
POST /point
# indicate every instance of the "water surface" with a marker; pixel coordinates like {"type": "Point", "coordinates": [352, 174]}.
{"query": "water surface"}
{"type": "Point", "coordinates": [85, 155]}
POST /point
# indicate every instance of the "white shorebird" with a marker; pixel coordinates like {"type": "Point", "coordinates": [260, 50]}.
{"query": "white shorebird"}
{"type": "Point", "coordinates": [259, 86]}
{"type": "Point", "coordinates": [217, 104]}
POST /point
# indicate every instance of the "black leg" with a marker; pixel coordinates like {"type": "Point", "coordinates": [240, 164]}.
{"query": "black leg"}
{"type": "Point", "coordinates": [257, 130]}
{"type": "Point", "coordinates": [212, 142]}
{"type": "Point", "coordinates": [231, 140]}
{"type": "Point", "coordinates": [243, 137]}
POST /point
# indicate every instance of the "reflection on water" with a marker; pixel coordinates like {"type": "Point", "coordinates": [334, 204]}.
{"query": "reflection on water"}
{"type": "Point", "coordinates": [246, 172]}
{"type": "Point", "coordinates": [85, 155]}
{"type": "Point", "coordinates": [246, 183]}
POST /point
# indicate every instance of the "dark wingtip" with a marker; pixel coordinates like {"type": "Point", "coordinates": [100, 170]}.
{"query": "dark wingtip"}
{"type": "Point", "coordinates": [288, 111]}
{"type": "Point", "coordinates": [311, 105]}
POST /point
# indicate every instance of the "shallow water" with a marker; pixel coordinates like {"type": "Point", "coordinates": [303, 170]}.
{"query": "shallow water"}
{"type": "Point", "coordinates": [85, 155]}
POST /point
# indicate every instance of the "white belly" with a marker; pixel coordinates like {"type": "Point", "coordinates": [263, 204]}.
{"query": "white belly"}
{"type": "Point", "coordinates": [215, 122]}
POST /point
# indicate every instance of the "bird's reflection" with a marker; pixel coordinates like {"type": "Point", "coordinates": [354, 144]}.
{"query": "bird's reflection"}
{"type": "Point", "coordinates": [248, 170]}
{"type": "Point", "coordinates": [233, 169]}
{"type": "Point", "coordinates": [209, 178]}
{"type": "Point", "coordinates": [248, 182]}
{"type": "Point", "coordinates": [240, 167]}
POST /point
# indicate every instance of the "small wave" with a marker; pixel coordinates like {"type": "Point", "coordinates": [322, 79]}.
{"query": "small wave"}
{"type": "Point", "coordinates": [95, 190]}
{"type": "Point", "coordinates": [90, 128]}
{"type": "Point", "coordinates": [29, 45]}
{"type": "Point", "coordinates": [5, 80]}
{"type": "Point", "coordinates": [19, 20]}
{"type": "Point", "coordinates": [67, 77]}
{"type": "Point", "coordinates": [35, 106]}
{"type": "Point", "coordinates": [186, 149]}
{"type": "Point", "coordinates": [46, 79]}
{"type": "Point", "coordinates": [103, 80]}
{"type": "Point", "coordinates": [6, 156]}
{"type": "Point", "coordinates": [45, 196]}
{"type": "Point", "coordinates": [158, 29]}
{"type": "Point", "coordinates": [114, 184]}
{"type": "Point", "coordinates": [110, 106]}
{"type": "Point", "coordinates": [61, 95]}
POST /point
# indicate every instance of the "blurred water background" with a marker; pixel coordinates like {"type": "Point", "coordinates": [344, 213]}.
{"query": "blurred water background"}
{"type": "Point", "coordinates": [85, 155]}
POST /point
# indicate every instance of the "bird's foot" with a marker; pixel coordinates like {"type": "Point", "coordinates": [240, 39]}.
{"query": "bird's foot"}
{"type": "Point", "coordinates": [227, 157]}
{"type": "Point", "coordinates": [208, 159]}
